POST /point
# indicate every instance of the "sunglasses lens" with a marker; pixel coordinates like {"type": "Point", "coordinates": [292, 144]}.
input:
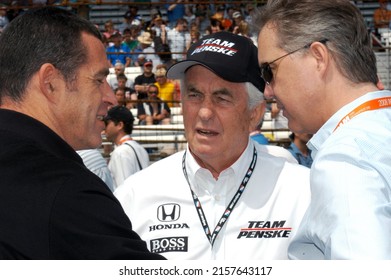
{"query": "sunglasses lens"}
{"type": "Point", "coordinates": [266, 73]}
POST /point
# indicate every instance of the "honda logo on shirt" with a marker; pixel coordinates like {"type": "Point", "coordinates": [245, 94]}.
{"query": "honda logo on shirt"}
{"type": "Point", "coordinates": [168, 212]}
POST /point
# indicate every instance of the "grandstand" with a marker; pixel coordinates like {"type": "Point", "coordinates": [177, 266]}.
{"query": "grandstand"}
{"type": "Point", "coordinates": [166, 139]}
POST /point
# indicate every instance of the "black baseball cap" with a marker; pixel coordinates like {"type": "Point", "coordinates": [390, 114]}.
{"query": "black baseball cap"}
{"type": "Point", "coordinates": [119, 113]}
{"type": "Point", "coordinates": [232, 57]}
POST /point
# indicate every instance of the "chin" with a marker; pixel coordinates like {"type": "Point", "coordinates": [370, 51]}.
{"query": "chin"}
{"type": "Point", "coordinates": [204, 152]}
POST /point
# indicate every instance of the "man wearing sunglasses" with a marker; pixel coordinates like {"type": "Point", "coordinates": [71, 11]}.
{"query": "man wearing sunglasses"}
{"type": "Point", "coordinates": [317, 62]}
{"type": "Point", "coordinates": [225, 196]}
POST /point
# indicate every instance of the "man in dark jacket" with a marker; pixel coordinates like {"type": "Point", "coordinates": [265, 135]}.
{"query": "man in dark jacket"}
{"type": "Point", "coordinates": [53, 97]}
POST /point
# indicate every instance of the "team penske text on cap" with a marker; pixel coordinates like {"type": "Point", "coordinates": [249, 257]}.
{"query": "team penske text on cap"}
{"type": "Point", "coordinates": [232, 57]}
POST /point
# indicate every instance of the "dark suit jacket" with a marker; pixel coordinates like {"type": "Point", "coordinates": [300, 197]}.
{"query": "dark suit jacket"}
{"type": "Point", "coordinates": [51, 205]}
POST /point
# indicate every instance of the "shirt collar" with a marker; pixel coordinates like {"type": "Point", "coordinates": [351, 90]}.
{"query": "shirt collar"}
{"type": "Point", "coordinates": [238, 169]}
{"type": "Point", "coordinates": [125, 138]}
{"type": "Point", "coordinates": [327, 129]}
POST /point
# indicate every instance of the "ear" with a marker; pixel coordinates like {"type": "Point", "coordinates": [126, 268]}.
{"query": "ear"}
{"type": "Point", "coordinates": [256, 115]}
{"type": "Point", "coordinates": [322, 56]}
{"type": "Point", "coordinates": [120, 125]}
{"type": "Point", "coordinates": [48, 75]}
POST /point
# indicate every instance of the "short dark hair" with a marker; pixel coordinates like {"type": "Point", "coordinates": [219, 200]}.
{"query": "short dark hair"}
{"type": "Point", "coordinates": [122, 114]}
{"type": "Point", "coordinates": [45, 35]}
{"type": "Point", "coordinates": [122, 76]}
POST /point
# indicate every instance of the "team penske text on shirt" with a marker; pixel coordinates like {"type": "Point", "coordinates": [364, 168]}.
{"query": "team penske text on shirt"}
{"type": "Point", "coordinates": [265, 229]}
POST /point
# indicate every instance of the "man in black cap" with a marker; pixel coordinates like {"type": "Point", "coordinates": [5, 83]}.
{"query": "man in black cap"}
{"type": "Point", "coordinates": [225, 196]}
{"type": "Point", "coordinates": [128, 156]}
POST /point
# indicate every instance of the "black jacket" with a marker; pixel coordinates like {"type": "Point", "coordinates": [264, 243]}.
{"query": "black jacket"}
{"type": "Point", "coordinates": [51, 205]}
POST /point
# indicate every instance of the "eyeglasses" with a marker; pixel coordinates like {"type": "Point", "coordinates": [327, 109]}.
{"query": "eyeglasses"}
{"type": "Point", "coordinates": [152, 92]}
{"type": "Point", "coordinates": [266, 71]}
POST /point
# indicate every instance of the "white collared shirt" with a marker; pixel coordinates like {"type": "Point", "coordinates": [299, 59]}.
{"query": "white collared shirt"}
{"type": "Point", "coordinates": [123, 161]}
{"type": "Point", "coordinates": [350, 212]}
{"type": "Point", "coordinates": [160, 206]}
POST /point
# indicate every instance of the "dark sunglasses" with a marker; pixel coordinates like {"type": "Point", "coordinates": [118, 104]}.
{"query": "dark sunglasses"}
{"type": "Point", "coordinates": [152, 92]}
{"type": "Point", "coordinates": [266, 71]}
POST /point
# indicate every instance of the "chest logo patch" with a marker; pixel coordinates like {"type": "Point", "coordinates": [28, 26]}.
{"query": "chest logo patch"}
{"type": "Point", "coordinates": [169, 212]}
{"type": "Point", "coordinates": [169, 244]}
{"type": "Point", "coordinates": [265, 229]}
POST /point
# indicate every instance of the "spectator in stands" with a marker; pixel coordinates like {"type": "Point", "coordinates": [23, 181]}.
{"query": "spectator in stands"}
{"type": "Point", "coordinates": [82, 9]}
{"type": "Point", "coordinates": [215, 26]}
{"type": "Point", "coordinates": [237, 19]}
{"type": "Point", "coordinates": [120, 96]}
{"type": "Point", "coordinates": [154, 14]}
{"type": "Point", "coordinates": [249, 11]}
{"type": "Point", "coordinates": [130, 39]}
{"type": "Point", "coordinates": [119, 70]}
{"type": "Point", "coordinates": [142, 81]}
{"type": "Point", "coordinates": [130, 18]}
{"type": "Point", "coordinates": [175, 82]}
{"type": "Point", "coordinates": [167, 90]}
{"type": "Point", "coordinates": [243, 29]}
{"type": "Point", "coordinates": [221, 93]}
{"type": "Point", "coordinates": [128, 156]}
{"type": "Point", "coordinates": [316, 56]}
{"type": "Point", "coordinates": [94, 161]}
{"type": "Point", "coordinates": [153, 110]}
{"type": "Point", "coordinates": [129, 92]}
{"type": "Point", "coordinates": [220, 16]}
{"type": "Point", "coordinates": [175, 10]}
{"type": "Point", "coordinates": [195, 35]}
{"type": "Point", "coordinates": [141, 60]}
{"type": "Point", "coordinates": [118, 52]}
{"type": "Point", "coordinates": [202, 17]}
{"type": "Point", "coordinates": [54, 96]}
{"type": "Point", "coordinates": [124, 84]}
{"type": "Point", "coordinates": [159, 31]}
{"type": "Point", "coordinates": [176, 39]}
{"type": "Point", "coordinates": [382, 16]}
{"type": "Point", "coordinates": [159, 26]}
{"type": "Point", "coordinates": [189, 14]}
{"type": "Point", "coordinates": [298, 148]}
{"type": "Point", "coordinates": [109, 29]}
{"type": "Point", "coordinates": [146, 42]}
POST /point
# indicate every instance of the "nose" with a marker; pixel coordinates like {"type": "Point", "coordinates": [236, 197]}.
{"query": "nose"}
{"type": "Point", "coordinates": [268, 92]}
{"type": "Point", "coordinates": [109, 97]}
{"type": "Point", "coordinates": [206, 110]}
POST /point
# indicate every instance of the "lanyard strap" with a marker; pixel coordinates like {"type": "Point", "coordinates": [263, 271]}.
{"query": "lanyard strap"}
{"type": "Point", "coordinates": [124, 139]}
{"type": "Point", "coordinates": [374, 104]}
{"type": "Point", "coordinates": [230, 207]}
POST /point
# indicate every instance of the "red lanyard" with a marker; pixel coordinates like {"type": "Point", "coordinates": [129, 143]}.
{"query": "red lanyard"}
{"type": "Point", "coordinates": [374, 104]}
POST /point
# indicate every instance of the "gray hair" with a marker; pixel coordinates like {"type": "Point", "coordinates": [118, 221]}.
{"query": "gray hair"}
{"type": "Point", "coordinates": [300, 22]}
{"type": "Point", "coordinates": [120, 64]}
